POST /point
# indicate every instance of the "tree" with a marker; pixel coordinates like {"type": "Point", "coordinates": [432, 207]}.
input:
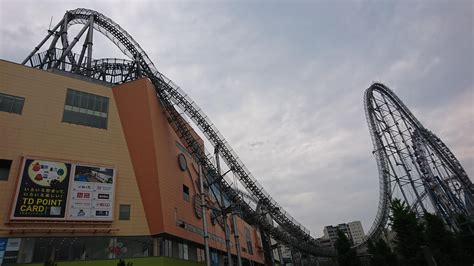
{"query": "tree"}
{"type": "Point", "coordinates": [465, 239]}
{"type": "Point", "coordinates": [409, 234]}
{"type": "Point", "coordinates": [50, 263]}
{"type": "Point", "coordinates": [371, 247]}
{"type": "Point", "coordinates": [441, 241]}
{"type": "Point", "coordinates": [382, 254]}
{"type": "Point", "coordinates": [346, 256]}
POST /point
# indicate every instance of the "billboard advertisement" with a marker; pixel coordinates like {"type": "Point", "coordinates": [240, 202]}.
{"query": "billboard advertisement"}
{"type": "Point", "coordinates": [54, 190]}
{"type": "Point", "coordinates": [12, 247]}
{"type": "Point", "coordinates": [92, 193]}
{"type": "Point", "coordinates": [43, 189]}
{"type": "Point", "coordinates": [3, 245]}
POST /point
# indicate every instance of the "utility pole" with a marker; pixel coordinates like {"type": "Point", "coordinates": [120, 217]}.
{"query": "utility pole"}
{"type": "Point", "coordinates": [204, 218]}
{"type": "Point", "coordinates": [236, 236]}
{"type": "Point", "coordinates": [223, 210]}
{"type": "Point", "coordinates": [280, 254]}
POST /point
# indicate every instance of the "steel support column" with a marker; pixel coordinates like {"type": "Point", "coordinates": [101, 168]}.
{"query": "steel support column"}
{"type": "Point", "coordinates": [224, 213]}
{"type": "Point", "coordinates": [50, 32]}
{"type": "Point", "coordinates": [204, 217]}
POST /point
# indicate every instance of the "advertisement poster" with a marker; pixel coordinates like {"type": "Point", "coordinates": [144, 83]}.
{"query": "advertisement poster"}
{"type": "Point", "coordinates": [11, 250]}
{"type": "Point", "coordinates": [92, 193]}
{"type": "Point", "coordinates": [3, 245]}
{"type": "Point", "coordinates": [43, 190]}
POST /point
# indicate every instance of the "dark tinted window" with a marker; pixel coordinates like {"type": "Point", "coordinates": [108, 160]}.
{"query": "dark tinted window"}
{"type": "Point", "coordinates": [185, 193]}
{"type": "Point", "coordinates": [124, 213]}
{"type": "Point", "coordinates": [248, 239]}
{"type": "Point", "coordinates": [11, 104]}
{"type": "Point", "coordinates": [86, 109]}
{"type": "Point", "coordinates": [5, 166]}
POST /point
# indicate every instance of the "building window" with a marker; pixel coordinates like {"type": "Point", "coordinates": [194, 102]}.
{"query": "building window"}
{"type": "Point", "coordinates": [168, 248]}
{"type": "Point", "coordinates": [82, 108]}
{"type": "Point", "coordinates": [124, 213]}
{"type": "Point", "coordinates": [183, 251]}
{"type": "Point", "coordinates": [248, 239]}
{"type": "Point", "coordinates": [77, 248]}
{"type": "Point", "coordinates": [5, 169]}
{"type": "Point", "coordinates": [11, 104]}
{"type": "Point", "coordinates": [201, 257]}
{"type": "Point", "coordinates": [186, 193]}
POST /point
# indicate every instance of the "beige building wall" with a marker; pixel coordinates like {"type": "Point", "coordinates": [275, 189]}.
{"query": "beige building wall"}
{"type": "Point", "coordinates": [138, 135]}
{"type": "Point", "coordinates": [40, 132]}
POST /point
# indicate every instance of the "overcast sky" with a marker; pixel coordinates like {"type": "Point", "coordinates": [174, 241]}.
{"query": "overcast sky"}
{"type": "Point", "coordinates": [283, 81]}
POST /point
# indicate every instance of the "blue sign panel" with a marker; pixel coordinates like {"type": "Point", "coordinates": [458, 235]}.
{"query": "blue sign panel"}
{"type": "Point", "coordinates": [3, 243]}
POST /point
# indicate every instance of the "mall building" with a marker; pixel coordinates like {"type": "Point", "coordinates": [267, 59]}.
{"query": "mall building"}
{"type": "Point", "coordinates": [94, 171]}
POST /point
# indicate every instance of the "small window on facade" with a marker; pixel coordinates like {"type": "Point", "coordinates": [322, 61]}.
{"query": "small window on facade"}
{"type": "Point", "coordinates": [82, 108]}
{"type": "Point", "coordinates": [248, 239]}
{"type": "Point", "coordinates": [124, 213]}
{"type": "Point", "coordinates": [200, 255]}
{"type": "Point", "coordinates": [5, 166]}
{"type": "Point", "coordinates": [11, 104]}
{"type": "Point", "coordinates": [185, 193]}
{"type": "Point", "coordinates": [183, 251]}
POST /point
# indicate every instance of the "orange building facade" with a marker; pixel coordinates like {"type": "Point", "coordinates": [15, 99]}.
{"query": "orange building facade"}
{"type": "Point", "coordinates": [89, 170]}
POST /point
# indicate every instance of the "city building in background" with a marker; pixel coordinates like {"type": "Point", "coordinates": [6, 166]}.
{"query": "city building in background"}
{"type": "Point", "coordinates": [353, 230]}
{"type": "Point", "coordinates": [357, 232]}
{"type": "Point", "coordinates": [99, 160]}
{"type": "Point", "coordinates": [90, 170]}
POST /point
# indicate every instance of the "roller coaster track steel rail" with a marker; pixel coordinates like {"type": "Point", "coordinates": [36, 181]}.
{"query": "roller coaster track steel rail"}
{"type": "Point", "coordinates": [401, 146]}
{"type": "Point", "coordinates": [290, 231]}
{"type": "Point", "coordinates": [394, 131]}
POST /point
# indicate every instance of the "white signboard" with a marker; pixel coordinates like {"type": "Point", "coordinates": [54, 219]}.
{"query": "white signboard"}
{"type": "Point", "coordinates": [56, 190]}
{"type": "Point", "coordinates": [13, 244]}
{"type": "Point", "coordinates": [91, 193]}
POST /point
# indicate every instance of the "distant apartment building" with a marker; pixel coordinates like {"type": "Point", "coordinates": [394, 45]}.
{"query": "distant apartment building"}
{"type": "Point", "coordinates": [353, 230]}
{"type": "Point", "coordinates": [357, 232]}
{"type": "Point", "coordinates": [326, 243]}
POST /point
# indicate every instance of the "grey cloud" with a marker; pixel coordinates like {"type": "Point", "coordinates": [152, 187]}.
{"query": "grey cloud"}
{"type": "Point", "coordinates": [284, 82]}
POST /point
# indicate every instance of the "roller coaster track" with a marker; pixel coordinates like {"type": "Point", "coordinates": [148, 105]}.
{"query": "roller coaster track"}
{"type": "Point", "coordinates": [171, 96]}
{"type": "Point", "coordinates": [413, 163]}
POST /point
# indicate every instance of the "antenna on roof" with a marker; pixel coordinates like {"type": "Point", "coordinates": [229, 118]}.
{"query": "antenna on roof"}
{"type": "Point", "coordinates": [51, 21]}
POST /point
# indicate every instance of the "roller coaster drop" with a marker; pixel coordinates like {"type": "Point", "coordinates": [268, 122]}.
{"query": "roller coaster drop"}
{"type": "Point", "coordinates": [413, 163]}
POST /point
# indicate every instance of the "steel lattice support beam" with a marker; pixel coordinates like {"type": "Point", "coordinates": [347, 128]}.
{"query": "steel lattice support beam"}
{"type": "Point", "coordinates": [413, 163]}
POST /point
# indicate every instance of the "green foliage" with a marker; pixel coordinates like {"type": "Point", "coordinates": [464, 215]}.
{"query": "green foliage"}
{"type": "Point", "coordinates": [345, 255]}
{"type": "Point", "coordinates": [441, 241]}
{"type": "Point", "coordinates": [145, 261]}
{"type": "Point", "coordinates": [446, 247]}
{"type": "Point", "coordinates": [382, 254]}
{"type": "Point", "coordinates": [122, 263]}
{"type": "Point", "coordinates": [371, 247]}
{"type": "Point", "coordinates": [409, 234]}
{"type": "Point", "coordinates": [465, 240]}
{"type": "Point", "coordinates": [50, 263]}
